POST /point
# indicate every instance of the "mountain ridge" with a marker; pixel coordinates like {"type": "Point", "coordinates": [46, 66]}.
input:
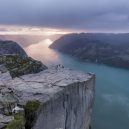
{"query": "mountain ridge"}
{"type": "Point", "coordinates": [11, 47]}
{"type": "Point", "coordinates": [99, 48]}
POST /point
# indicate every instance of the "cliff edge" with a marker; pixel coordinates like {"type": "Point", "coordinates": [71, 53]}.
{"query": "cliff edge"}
{"type": "Point", "coordinates": [66, 98]}
{"type": "Point", "coordinates": [33, 96]}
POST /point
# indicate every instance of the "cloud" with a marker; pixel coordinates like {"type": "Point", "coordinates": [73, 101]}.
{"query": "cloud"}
{"type": "Point", "coordinates": [74, 14]}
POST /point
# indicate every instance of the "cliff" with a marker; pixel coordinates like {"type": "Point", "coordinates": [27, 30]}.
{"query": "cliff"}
{"type": "Point", "coordinates": [109, 49]}
{"type": "Point", "coordinates": [56, 98]}
{"type": "Point", "coordinates": [33, 96]}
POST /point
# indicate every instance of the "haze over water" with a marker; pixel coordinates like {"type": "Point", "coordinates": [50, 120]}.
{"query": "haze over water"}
{"type": "Point", "coordinates": [111, 109]}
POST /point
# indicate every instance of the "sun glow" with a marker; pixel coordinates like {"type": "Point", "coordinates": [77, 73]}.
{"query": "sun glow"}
{"type": "Point", "coordinates": [28, 30]}
{"type": "Point", "coordinates": [40, 51]}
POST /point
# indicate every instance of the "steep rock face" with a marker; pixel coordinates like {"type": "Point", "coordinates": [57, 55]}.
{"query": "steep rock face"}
{"type": "Point", "coordinates": [70, 110]}
{"type": "Point", "coordinates": [10, 47]}
{"type": "Point", "coordinates": [66, 96]}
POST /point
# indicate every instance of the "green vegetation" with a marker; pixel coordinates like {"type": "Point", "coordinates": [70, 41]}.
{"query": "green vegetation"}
{"type": "Point", "coordinates": [22, 121]}
{"type": "Point", "coordinates": [18, 122]}
{"type": "Point", "coordinates": [18, 65]}
{"type": "Point", "coordinates": [31, 108]}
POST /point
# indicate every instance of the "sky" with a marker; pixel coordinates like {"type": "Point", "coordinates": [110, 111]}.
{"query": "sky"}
{"type": "Point", "coordinates": [66, 15]}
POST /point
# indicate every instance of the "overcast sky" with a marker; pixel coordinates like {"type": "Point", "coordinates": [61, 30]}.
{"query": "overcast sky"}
{"type": "Point", "coordinates": [96, 15]}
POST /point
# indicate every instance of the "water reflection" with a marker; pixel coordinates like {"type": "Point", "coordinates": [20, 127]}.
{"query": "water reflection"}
{"type": "Point", "coordinates": [40, 51]}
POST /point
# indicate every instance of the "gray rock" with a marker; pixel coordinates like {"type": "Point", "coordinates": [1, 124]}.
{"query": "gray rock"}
{"type": "Point", "coordinates": [3, 69]}
{"type": "Point", "coordinates": [5, 119]}
{"type": "Point", "coordinates": [66, 97]}
{"type": "Point", "coordinates": [8, 100]}
{"type": "Point", "coordinates": [2, 126]}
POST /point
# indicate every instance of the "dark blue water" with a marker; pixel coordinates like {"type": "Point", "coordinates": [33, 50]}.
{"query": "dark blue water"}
{"type": "Point", "coordinates": [111, 108]}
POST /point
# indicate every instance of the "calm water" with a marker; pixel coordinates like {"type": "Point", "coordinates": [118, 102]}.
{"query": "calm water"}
{"type": "Point", "coordinates": [111, 109]}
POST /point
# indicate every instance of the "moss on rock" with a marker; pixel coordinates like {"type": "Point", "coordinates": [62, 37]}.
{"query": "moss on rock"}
{"type": "Point", "coordinates": [31, 108]}
{"type": "Point", "coordinates": [18, 65]}
{"type": "Point", "coordinates": [18, 122]}
{"type": "Point", "coordinates": [25, 120]}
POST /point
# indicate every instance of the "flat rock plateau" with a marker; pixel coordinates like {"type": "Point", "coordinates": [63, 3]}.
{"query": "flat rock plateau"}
{"type": "Point", "coordinates": [66, 97]}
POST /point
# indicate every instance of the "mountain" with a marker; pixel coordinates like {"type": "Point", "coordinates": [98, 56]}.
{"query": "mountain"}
{"type": "Point", "coordinates": [110, 49]}
{"type": "Point", "coordinates": [14, 59]}
{"type": "Point", "coordinates": [11, 47]}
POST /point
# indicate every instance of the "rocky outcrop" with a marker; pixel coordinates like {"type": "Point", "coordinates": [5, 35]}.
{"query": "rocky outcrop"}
{"type": "Point", "coordinates": [14, 59]}
{"type": "Point", "coordinates": [66, 97]}
{"type": "Point", "coordinates": [4, 120]}
{"type": "Point", "coordinates": [10, 47]}
{"type": "Point", "coordinates": [7, 100]}
{"type": "Point", "coordinates": [18, 65]}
